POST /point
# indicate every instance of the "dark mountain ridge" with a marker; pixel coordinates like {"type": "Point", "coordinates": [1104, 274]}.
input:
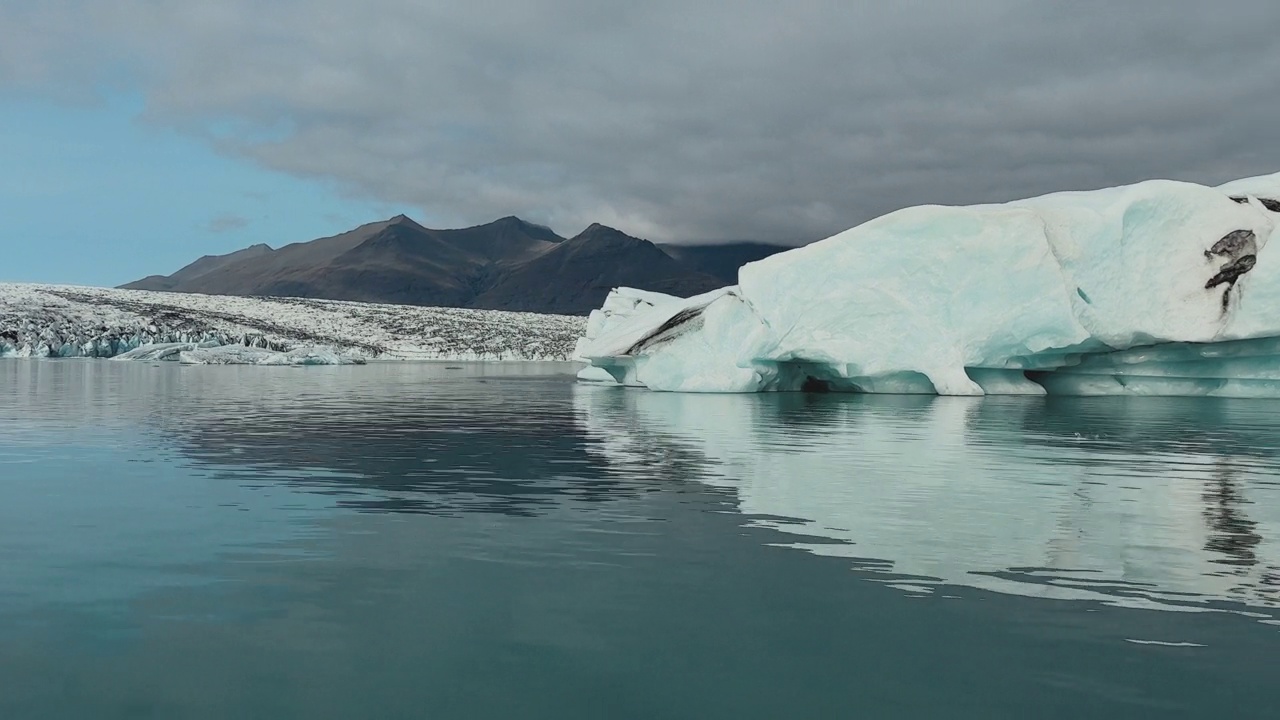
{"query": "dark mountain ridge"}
{"type": "Point", "coordinates": [508, 264]}
{"type": "Point", "coordinates": [206, 264]}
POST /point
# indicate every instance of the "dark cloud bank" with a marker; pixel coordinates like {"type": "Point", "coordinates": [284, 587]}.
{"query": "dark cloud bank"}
{"type": "Point", "coordinates": [675, 120]}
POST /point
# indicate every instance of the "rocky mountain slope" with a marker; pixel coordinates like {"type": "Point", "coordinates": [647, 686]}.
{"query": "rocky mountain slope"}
{"type": "Point", "coordinates": [508, 264]}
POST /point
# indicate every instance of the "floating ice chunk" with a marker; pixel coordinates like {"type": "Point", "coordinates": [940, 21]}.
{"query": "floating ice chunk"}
{"type": "Point", "coordinates": [239, 355]}
{"type": "Point", "coordinates": [209, 353]}
{"type": "Point", "coordinates": [982, 299]}
{"type": "Point", "coordinates": [159, 351]}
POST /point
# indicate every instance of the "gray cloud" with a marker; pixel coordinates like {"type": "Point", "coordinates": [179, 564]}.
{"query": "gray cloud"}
{"type": "Point", "coordinates": [227, 222]}
{"type": "Point", "coordinates": [747, 119]}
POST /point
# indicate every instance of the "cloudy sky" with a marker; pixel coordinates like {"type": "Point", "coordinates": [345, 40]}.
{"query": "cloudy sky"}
{"type": "Point", "coordinates": [136, 135]}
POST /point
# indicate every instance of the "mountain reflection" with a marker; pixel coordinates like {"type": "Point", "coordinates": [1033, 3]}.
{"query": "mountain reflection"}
{"type": "Point", "coordinates": [1141, 502]}
{"type": "Point", "coordinates": [446, 442]}
{"type": "Point", "coordinates": [412, 438]}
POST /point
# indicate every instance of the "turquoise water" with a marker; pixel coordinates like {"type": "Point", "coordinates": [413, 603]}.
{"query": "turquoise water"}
{"type": "Point", "coordinates": [471, 541]}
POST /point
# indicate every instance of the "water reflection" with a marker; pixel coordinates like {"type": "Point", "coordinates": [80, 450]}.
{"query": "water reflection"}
{"type": "Point", "coordinates": [1163, 503]}
{"type": "Point", "coordinates": [1234, 536]}
{"type": "Point", "coordinates": [403, 540]}
{"type": "Point", "coordinates": [440, 439]}
{"type": "Point", "coordinates": [1166, 503]}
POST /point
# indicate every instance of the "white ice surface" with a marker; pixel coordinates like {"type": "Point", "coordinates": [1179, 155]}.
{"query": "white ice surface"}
{"type": "Point", "coordinates": [65, 321]}
{"type": "Point", "coordinates": [621, 305]}
{"type": "Point", "coordinates": [205, 354]}
{"type": "Point", "coordinates": [239, 355]}
{"type": "Point", "coordinates": [162, 351]}
{"type": "Point", "coordinates": [963, 300]}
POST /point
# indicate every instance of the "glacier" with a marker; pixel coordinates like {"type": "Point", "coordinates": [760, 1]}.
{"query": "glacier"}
{"type": "Point", "coordinates": [1157, 288]}
{"type": "Point", "coordinates": [60, 321]}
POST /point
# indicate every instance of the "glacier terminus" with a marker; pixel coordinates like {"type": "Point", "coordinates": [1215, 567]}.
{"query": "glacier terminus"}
{"type": "Point", "coordinates": [1157, 288]}
{"type": "Point", "coordinates": [59, 321]}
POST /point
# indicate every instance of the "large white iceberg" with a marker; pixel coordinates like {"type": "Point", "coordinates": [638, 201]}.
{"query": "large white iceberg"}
{"type": "Point", "coordinates": [1161, 287]}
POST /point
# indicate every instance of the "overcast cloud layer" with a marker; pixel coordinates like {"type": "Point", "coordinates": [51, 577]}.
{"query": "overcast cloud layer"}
{"type": "Point", "coordinates": [679, 120]}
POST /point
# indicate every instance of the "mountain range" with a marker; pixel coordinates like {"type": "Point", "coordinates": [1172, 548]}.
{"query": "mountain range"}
{"type": "Point", "coordinates": [508, 264]}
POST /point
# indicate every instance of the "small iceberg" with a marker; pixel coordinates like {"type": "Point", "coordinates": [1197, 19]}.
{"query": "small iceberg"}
{"type": "Point", "coordinates": [162, 351]}
{"type": "Point", "coordinates": [240, 355]}
{"type": "Point", "coordinates": [210, 354]}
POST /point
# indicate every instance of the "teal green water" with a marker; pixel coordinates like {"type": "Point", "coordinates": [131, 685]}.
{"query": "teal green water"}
{"type": "Point", "coordinates": [433, 541]}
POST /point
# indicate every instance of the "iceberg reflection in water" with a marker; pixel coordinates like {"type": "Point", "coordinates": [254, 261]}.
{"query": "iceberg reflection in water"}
{"type": "Point", "coordinates": [1160, 503]}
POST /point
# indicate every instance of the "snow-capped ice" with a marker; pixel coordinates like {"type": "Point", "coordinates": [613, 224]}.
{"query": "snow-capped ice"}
{"type": "Point", "coordinates": [64, 321]}
{"type": "Point", "coordinates": [1137, 289]}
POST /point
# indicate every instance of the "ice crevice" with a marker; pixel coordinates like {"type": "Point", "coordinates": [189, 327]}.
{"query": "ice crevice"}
{"type": "Point", "coordinates": [1156, 288]}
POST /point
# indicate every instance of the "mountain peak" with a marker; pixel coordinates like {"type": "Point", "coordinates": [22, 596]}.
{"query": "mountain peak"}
{"type": "Point", "coordinates": [598, 229]}
{"type": "Point", "coordinates": [530, 229]}
{"type": "Point", "coordinates": [513, 222]}
{"type": "Point", "coordinates": [596, 232]}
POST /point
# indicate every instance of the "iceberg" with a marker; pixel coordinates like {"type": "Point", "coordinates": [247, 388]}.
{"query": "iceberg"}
{"type": "Point", "coordinates": [209, 353]}
{"type": "Point", "coordinates": [240, 355]}
{"type": "Point", "coordinates": [1156, 288]}
{"type": "Point", "coordinates": [162, 351]}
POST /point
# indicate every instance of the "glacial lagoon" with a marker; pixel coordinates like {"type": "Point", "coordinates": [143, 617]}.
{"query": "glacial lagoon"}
{"type": "Point", "coordinates": [496, 540]}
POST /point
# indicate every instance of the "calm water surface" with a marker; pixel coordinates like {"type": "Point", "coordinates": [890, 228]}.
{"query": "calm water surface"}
{"type": "Point", "coordinates": [470, 541]}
